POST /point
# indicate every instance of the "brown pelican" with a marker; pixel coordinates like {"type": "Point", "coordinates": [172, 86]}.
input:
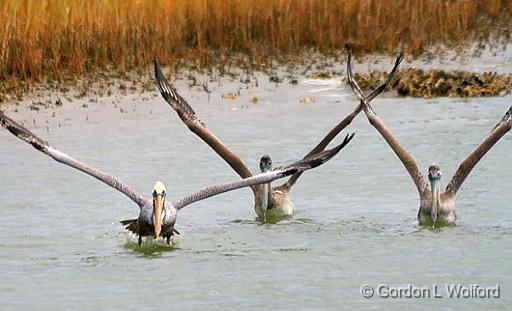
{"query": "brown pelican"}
{"type": "Point", "coordinates": [269, 202]}
{"type": "Point", "coordinates": [436, 207]}
{"type": "Point", "coordinates": [157, 216]}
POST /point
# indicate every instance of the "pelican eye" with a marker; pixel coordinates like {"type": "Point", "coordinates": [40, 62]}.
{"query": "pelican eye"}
{"type": "Point", "coordinates": [164, 194]}
{"type": "Point", "coordinates": [155, 194]}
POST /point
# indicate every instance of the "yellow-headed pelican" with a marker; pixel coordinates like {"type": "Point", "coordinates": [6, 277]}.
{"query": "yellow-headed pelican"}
{"type": "Point", "coordinates": [157, 216]}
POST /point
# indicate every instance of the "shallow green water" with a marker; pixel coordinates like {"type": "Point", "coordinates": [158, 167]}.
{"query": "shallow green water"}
{"type": "Point", "coordinates": [355, 221]}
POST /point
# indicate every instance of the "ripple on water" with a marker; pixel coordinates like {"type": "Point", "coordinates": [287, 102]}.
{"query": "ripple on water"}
{"type": "Point", "coordinates": [355, 220]}
{"type": "Point", "coordinates": [281, 222]}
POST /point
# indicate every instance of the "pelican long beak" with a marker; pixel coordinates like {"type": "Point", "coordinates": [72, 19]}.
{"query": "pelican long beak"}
{"type": "Point", "coordinates": [157, 221]}
{"type": "Point", "coordinates": [434, 184]}
{"type": "Point", "coordinates": [266, 189]}
{"type": "Point", "coordinates": [265, 166]}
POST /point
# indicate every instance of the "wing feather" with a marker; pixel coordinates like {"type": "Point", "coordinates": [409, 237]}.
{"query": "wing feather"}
{"type": "Point", "coordinates": [404, 156]}
{"type": "Point", "coordinates": [188, 116]}
{"type": "Point", "coordinates": [347, 120]}
{"type": "Point", "coordinates": [467, 165]}
{"type": "Point", "coordinates": [59, 156]}
{"type": "Point", "coordinates": [299, 166]}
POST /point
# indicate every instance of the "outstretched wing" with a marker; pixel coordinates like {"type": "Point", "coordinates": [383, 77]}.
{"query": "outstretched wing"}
{"type": "Point", "coordinates": [299, 166]}
{"type": "Point", "coordinates": [59, 156]}
{"type": "Point", "coordinates": [188, 116]}
{"type": "Point", "coordinates": [348, 119]}
{"type": "Point", "coordinates": [467, 165]}
{"type": "Point", "coordinates": [403, 155]}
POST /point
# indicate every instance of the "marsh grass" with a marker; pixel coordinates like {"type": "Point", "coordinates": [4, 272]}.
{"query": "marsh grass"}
{"type": "Point", "coordinates": [64, 38]}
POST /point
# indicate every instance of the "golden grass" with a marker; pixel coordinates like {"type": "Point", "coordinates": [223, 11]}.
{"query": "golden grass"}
{"type": "Point", "coordinates": [61, 37]}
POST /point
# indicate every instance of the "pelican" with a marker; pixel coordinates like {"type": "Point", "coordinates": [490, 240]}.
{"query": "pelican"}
{"type": "Point", "coordinates": [270, 203]}
{"type": "Point", "coordinates": [436, 208]}
{"type": "Point", "coordinates": [157, 216]}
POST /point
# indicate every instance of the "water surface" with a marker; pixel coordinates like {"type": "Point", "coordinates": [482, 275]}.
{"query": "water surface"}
{"type": "Point", "coordinates": [355, 220]}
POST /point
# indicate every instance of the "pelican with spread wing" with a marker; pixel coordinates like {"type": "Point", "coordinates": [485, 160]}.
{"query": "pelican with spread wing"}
{"type": "Point", "coordinates": [269, 202]}
{"type": "Point", "coordinates": [436, 207]}
{"type": "Point", "coordinates": [157, 216]}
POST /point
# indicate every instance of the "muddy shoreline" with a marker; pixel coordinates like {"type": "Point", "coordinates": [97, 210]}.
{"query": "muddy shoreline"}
{"type": "Point", "coordinates": [436, 74]}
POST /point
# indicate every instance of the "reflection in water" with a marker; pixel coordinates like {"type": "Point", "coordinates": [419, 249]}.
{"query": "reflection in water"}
{"type": "Point", "coordinates": [437, 225]}
{"type": "Point", "coordinates": [151, 247]}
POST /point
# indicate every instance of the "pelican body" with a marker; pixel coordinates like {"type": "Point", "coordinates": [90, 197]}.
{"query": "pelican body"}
{"type": "Point", "coordinates": [272, 203]}
{"type": "Point", "coordinates": [269, 202]}
{"type": "Point", "coordinates": [157, 216]}
{"type": "Point", "coordinates": [436, 207]}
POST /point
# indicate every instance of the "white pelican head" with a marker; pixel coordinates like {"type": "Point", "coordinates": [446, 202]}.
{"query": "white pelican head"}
{"type": "Point", "coordinates": [159, 194]}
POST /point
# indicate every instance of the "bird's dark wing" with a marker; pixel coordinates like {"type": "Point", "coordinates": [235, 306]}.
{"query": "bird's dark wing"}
{"type": "Point", "coordinates": [467, 165]}
{"type": "Point", "coordinates": [59, 156]}
{"type": "Point", "coordinates": [403, 155]}
{"type": "Point", "coordinates": [347, 120]}
{"type": "Point", "coordinates": [263, 178]}
{"type": "Point", "coordinates": [188, 116]}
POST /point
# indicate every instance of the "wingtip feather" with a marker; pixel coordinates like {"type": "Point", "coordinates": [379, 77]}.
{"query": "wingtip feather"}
{"type": "Point", "coordinates": [22, 133]}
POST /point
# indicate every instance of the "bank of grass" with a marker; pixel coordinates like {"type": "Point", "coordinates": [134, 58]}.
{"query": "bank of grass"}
{"type": "Point", "coordinates": [62, 39]}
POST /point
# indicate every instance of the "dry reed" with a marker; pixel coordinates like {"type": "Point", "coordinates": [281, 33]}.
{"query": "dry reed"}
{"type": "Point", "coordinates": [56, 38]}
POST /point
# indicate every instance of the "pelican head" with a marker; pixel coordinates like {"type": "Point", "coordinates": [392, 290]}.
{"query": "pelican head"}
{"type": "Point", "coordinates": [434, 175]}
{"type": "Point", "coordinates": [159, 194]}
{"type": "Point", "coordinates": [265, 163]}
